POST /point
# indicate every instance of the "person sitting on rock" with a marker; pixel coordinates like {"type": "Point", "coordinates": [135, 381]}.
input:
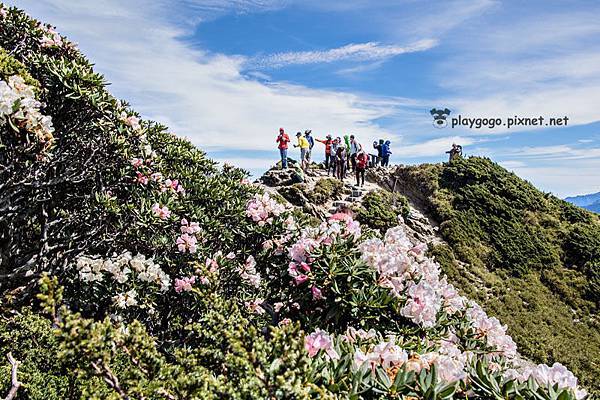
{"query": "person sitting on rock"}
{"type": "Point", "coordinates": [304, 147]}
{"type": "Point", "coordinates": [341, 162]}
{"type": "Point", "coordinates": [283, 139]}
{"type": "Point", "coordinates": [361, 165]}
{"type": "Point", "coordinates": [328, 154]}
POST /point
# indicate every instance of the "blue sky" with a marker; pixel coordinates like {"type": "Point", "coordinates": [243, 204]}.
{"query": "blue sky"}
{"type": "Point", "coordinates": [228, 74]}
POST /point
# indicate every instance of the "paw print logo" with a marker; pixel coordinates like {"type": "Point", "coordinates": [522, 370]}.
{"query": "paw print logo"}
{"type": "Point", "coordinates": [439, 117]}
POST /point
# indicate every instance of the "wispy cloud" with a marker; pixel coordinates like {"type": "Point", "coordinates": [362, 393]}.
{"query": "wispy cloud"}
{"type": "Point", "coordinates": [558, 152]}
{"type": "Point", "coordinates": [370, 51]}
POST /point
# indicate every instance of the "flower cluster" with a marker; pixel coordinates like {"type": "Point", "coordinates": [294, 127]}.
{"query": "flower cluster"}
{"type": "Point", "coordinates": [262, 208]}
{"type": "Point", "coordinates": [492, 330]}
{"type": "Point", "coordinates": [19, 107]}
{"type": "Point", "coordinates": [50, 37]}
{"type": "Point", "coordinates": [188, 240]}
{"type": "Point", "coordinates": [403, 268]}
{"type": "Point", "coordinates": [320, 341]}
{"type": "Point", "coordinates": [310, 239]}
{"type": "Point", "coordinates": [184, 284]}
{"type": "Point", "coordinates": [255, 306]}
{"type": "Point", "coordinates": [120, 268]}
{"type": "Point", "coordinates": [248, 272]}
{"type": "Point", "coordinates": [144, 175]}
{"type": "Point", "coordinates": [127, 299]}
{"type": "Point", "coordinates": [161, 212]}
{"type": "Point", "coordinates": [544, 376]}
{"type": "Point", "coordinates": [130, 120]}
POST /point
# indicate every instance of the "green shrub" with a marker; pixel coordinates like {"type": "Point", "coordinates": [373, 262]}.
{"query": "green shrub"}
{"type": "Point", "coordinates": [380, 209]}
{"type": "Point", "coordinates": [325, 190]}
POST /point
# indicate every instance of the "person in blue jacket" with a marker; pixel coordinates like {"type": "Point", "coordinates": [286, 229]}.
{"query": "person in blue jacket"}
{"type": "Point", "coordinates": [385, 154]}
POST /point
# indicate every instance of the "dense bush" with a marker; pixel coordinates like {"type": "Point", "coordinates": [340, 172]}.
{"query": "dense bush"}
{"type": "Point", "coordinates": [325, 190]}
{"type": "Point", "coordinates": [380, 209]}
{"type": "Point", "coordinates": [133, 267]}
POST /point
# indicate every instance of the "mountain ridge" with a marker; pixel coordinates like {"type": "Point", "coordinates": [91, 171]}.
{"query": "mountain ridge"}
{"type": "Point", "coordinates": [588, 201]}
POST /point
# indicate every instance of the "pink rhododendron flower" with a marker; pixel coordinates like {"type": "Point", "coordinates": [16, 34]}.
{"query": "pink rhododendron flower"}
{"type": "Point", "coordinates": [184, 284]}
{"type": "Point", "coordinates": [305, 267]}
{"type": "Point", "coordinates": [285, 321]}
{"type": "Point", "coordinates": [141, 178]}
{"type": "Point", "coordinates": [255, 306]}
{"type": "Point", "coordinates": [316, 293]}
{"type": "Point", "coordinates": [320, 340]}
{"type": "Point", "coordinates": [262, 208]}
{"type": "Point", "coordinates": [340, 217]}
{"type": "Point", "coordinates": [300, 279]}
{"type": "Point", "coordinates": [352, 334]}
{"type": "Point", "coordinates": [204, 280]}
{"type": "Point", "coordinates": [137, 162]}
{"type": "Point", "coordinates": [212, 265]}
{"type": "Point", "coordinates": [248, 272]}
{"type": "Point", "coordinates": [51, 38]}
{"type": "Point", "coordinates": [277, 306]}
{"type": "Point", "coordinates": [161, 212]}
{"type": "Point", "coordinates": [191, 228]}
{"type": "Point", "coordinates": [186, 242]}
{"type": "Point", "coordinates": [422, 305]}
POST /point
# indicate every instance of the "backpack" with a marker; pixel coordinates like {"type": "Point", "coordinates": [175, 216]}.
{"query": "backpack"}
{"type": "Point", "coordinates": [362, 161]}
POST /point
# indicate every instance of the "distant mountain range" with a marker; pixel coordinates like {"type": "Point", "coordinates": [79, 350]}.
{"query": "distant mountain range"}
{"type": "Point", "coordinates": [588, 201]}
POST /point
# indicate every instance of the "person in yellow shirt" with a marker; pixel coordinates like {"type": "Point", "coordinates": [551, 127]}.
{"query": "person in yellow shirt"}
{"type": "Point", "coordinates": [304, 147]}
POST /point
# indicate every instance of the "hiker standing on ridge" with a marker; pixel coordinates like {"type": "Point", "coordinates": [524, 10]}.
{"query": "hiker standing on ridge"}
{"type": "Point", "coordinates": [455, 152]}
{"type": "Point", "coordinates": [334, 148]}
{"type": "Point", "coordinates": [355, 148]}
{"type": "Point", "coordinates": [311, 144]}
{"type": "Point", "coordinates": [283, 139]}
{"type": "Point", "coordinates": [362, 159]}
{"type": "Point", "coordinates": [328, 157]}
{"type": "Point", "coordinates": [304, 147]}
{"type": "Point", "coordinates": [347, 142]}
{"type": "Point", "coordinates": [386, 153]}
{"type": "Point", "coordinates": [379, 147]}
{"type": "Point", "coordinates": [341, 160]}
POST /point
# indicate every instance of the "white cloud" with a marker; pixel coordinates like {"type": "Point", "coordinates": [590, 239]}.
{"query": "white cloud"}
{"type": "Point", "coordinates": [564, 179]}
{"type": "Point", "coordinates": [370, 51]}
{"type": "Point", "coordinates": [199, 95]}
{"type": "Point", "coordinates": [430, 148]}
{"type": "Point", "coordinates": [511, 164]}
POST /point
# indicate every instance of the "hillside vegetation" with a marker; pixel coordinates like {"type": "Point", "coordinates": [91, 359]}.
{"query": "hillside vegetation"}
{"type": "Point", "coordinates": [133, 267]}
{"type": "Point", "coordinates": [534, 260]}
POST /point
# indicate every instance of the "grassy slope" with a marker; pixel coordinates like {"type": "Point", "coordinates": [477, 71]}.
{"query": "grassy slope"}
{"type": "Point", "coordinates": [532, 259]}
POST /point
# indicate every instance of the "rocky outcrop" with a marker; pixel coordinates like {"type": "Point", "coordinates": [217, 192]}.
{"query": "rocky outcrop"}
{"type": "Point", "coordinates": [296, 186]}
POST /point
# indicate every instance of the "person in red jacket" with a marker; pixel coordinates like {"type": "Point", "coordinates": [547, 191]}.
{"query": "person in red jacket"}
{"type": "Point", "coordinates": [282, 140]}
{"type": "Point", "coordinates": [328, 156]}
{"type": "Point", "coordinates": [361, 165]}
